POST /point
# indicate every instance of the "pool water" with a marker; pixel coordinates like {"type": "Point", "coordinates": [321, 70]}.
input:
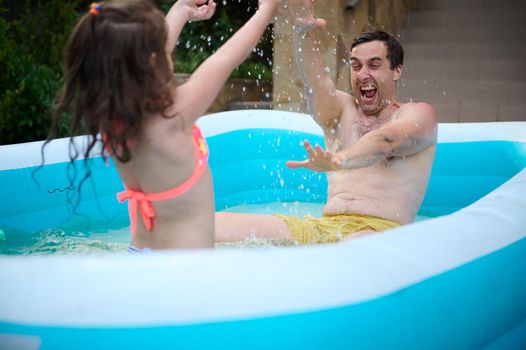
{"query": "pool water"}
{"type": "Point", "coordinates": [462, 174]}
{"type": "Point", "coordinates": [103, 241]}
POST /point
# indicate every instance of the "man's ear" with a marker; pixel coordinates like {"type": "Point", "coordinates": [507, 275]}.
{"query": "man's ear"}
{"type": "Point", "coordinates": [397, 73]}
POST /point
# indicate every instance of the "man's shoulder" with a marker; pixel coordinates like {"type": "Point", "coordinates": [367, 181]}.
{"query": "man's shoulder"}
{"type": "Point", "coordinates": [346, 98]}
{"type": "Point", "coordinates": [350, 108]}
{"type": "Point", "coordinates": [348, 111]}
{"type": "Point", "coordinates": [417, 106]}
{"type": "Point", "coordinates": [420, 109]}
{"type": "Point", "coordinates": [329, 114]}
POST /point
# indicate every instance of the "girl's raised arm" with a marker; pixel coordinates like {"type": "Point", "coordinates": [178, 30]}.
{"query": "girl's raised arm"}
{"type": "Point", "coordinates": [195, 96]}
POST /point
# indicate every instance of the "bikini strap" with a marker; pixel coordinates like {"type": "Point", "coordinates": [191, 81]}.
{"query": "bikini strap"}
{"type": "Point", "coordinates": [141, 201]}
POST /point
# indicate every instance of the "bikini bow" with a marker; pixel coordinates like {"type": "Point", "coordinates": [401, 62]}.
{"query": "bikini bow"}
{"type": "Point", "coordinates": [138, 200]}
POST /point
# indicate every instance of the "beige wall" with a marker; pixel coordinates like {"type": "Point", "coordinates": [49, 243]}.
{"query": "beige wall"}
{"type": "Point", "coordinates": [342, 26]}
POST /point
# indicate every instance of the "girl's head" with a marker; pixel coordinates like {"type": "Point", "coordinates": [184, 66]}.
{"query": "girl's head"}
{"type": "Point", "coordinates": [117, 71]}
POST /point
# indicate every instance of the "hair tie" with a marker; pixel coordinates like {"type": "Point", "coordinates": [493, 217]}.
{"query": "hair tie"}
{"type": "Point", "coordinates": [95, 8]}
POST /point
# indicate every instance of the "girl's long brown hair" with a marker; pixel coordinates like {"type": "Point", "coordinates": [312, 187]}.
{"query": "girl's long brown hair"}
{"type": "Point", "coordinates": [116, 72]}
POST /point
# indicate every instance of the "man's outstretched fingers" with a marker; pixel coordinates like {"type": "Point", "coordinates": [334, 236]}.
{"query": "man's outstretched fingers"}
{"type": "Point", "coordinates": [294, 164]}
{"type": "Point", "coordinates": [319, 151]}
{"type": "Point", "coordinates": [309, 149]}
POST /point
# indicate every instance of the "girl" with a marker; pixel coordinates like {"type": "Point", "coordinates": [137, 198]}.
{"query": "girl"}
{"type": "Point", "coordinates": [119, 83]}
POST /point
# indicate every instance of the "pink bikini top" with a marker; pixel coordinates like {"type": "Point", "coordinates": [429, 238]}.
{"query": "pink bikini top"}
{"type": "Point", "coordinates": [143, 201]}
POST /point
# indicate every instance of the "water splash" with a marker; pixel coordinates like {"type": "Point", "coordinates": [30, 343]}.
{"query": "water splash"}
{"type": "Point", "coordinates": [299, 33]}
{"type": "Point", "coordinates": [60, 242]}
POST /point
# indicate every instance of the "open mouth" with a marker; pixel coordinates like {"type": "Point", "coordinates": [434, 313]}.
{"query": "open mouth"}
{"type": "Point", "coordinates": [368, 92]}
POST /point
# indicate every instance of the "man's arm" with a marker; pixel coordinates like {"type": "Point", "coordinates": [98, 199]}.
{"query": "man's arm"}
{"type": "Point", "coordinates": [323, 98]}
{"type": "Point", "coordinates": [415, 131]}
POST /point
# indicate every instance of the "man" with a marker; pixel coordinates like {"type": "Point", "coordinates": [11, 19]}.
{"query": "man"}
{"type": "Point", "coordinates": [379, 152]}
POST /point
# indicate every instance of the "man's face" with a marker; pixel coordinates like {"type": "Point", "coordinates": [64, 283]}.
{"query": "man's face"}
{"type": "Point", "coordinates": [372, 79]}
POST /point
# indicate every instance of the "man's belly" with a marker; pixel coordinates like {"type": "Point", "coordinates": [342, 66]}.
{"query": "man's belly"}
{"type": "Point", "coordinates": [347, 203]}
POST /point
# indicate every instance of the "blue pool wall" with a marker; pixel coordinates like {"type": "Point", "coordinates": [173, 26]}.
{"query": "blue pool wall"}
{"type": "Point", "coordinates": [248, 167]}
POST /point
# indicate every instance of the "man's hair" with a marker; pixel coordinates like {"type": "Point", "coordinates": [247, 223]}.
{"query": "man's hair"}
{"type": "Point", "coordinates": [395, 51]}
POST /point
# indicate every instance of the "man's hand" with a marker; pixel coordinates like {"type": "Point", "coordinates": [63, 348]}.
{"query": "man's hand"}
{"type": "Point", "coordinates": [273, 4]}
{"type": "Point", "coordinates": [301, 14]}
{"type": "Point", "coordinates": [319, 160]}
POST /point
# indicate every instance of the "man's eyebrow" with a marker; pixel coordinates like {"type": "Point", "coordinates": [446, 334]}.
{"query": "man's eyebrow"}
{"type": "Point", "coordinates": [375, 58]}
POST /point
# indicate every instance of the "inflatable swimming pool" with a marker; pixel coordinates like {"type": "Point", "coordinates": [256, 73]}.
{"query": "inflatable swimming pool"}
{"type": "Point", "coordinates": [454, 280]}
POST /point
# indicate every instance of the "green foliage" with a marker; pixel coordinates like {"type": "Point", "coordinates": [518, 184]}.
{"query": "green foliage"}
{"type": "Point", "coordinates": [199, 40]}
{"type": "Point", "coordinates": [31, 54]}
{"type": "Point", "coordinates": [25, 108]}
{"type": "Point", "coordinates": [32, 42]}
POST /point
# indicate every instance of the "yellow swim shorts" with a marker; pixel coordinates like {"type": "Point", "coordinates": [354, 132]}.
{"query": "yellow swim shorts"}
{"type": "Point", "coordinates": [333, 228]}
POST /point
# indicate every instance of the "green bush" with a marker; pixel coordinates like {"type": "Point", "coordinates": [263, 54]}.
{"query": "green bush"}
{"type": "Point", "coordinates": [32, 43]}
{"type": "Point", "coordinates": [199, 40]}
{"type": "Point", "coordinates": [25, 108]}
{"type": "Point", "coordinates": [31, 54]}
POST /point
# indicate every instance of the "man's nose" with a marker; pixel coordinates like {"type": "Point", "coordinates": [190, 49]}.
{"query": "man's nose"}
{"type": "Point", "coordinates": [364, 73]}
{"type": "Point", "coordinates": [361, 75]}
